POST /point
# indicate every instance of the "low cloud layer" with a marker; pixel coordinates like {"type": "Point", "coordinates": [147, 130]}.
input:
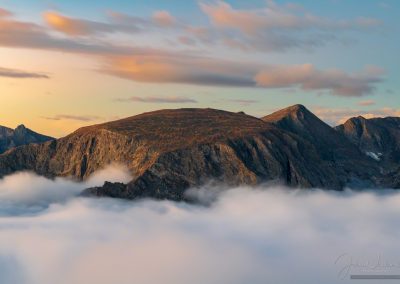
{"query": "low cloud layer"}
{"type": "Point", "coordinates": [26, 193]}
{"type": "Point", "coordinates": [247, 235]}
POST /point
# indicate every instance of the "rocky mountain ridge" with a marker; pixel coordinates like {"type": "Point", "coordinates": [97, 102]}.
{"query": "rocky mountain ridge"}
{"type": "Point", "coordinates": [169, 151]}
{"type": "Point", "coordinates": [10, 138]}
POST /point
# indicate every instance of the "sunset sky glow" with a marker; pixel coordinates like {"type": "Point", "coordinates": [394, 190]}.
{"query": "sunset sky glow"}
{"type": "Point", "coordinates": [66, 64]}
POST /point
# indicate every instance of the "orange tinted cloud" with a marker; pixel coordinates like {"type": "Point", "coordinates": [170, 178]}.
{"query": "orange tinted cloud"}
{"type": "Point", "coordinates": [67, 25]}
{"type": "Point", "coordinates": [175, 68]}
{"type": "Point", "coordinates": [222, 14]}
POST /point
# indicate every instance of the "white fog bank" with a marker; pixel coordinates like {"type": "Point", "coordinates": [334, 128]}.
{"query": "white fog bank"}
{"type": "Point", "coordinates": [247, 235]}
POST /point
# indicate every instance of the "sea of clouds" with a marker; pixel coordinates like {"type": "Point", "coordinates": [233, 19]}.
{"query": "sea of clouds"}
{"type": "Point", "coordinates": [268, 234]}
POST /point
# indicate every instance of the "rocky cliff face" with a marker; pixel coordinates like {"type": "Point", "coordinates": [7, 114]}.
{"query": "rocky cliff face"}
{"type": "Point", "coordinates": [169, 151]}
{"type": "Point", "coordinates": [10, 138]}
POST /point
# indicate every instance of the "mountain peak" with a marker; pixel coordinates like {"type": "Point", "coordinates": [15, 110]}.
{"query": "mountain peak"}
{"type": "Point", "coordinates": [10, 138]}
{"type": "Point", "coordinates": [21, 129]}
{"type": "Point", "coordinates": [21, 126]}
{"type": "Point", "coordinates": [302, 122]}
{"type": "Point", "coordinates": [298, 114]}
{"type": "Point", "coordinates": [297, 107]}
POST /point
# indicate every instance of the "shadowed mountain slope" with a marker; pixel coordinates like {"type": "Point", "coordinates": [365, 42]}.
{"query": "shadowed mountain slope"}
{"type": "Point", "coordinates": [378, 138]}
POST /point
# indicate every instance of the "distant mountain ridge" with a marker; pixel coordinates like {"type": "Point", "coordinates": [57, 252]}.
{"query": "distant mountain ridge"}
{"type": "Point", "coordinates": [378, 138]}
{"type": "Point", "coordinates": [169, 151]}
{"type": "Point", "coordinates": [10, 138]}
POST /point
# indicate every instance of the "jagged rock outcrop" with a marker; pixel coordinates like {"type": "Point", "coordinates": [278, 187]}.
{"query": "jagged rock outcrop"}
{"type": "Point", "coordinates": [169, 151]}
{"type": "Point", "coordinates": [10, 138]}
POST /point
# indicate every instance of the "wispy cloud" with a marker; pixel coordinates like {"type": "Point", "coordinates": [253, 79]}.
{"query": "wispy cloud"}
{"type": "Point", "coordinates": [276, 27]}
{"type": "Point", "coordinates": [277, 17]}
{"type": "Point", "coordinates": [5, 13]}
{"type": "Point", "coordinates": [164, 18]}
{"type": "Point", "coordinates": [158, 99]}
{"type": "Point", "coordinates": [13, 73]}
{"type": "Point", "coordinates": [307, 77]}
{"type": "Point", "coordinates": [366, 103]}
{"type": "Point", "coordinates": [85, 118]}
{"type": "Point", "coordinates": [243, 102]}
{"type": "Point", "coordinates": [81, 27]}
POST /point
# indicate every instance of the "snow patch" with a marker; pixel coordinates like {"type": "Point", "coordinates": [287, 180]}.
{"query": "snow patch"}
{"type": "Point", "coordinates": [375, 156]}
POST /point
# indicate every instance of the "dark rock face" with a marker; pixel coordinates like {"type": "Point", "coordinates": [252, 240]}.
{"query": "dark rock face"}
{"type": "Point", "coordinates": [333, 147]}
{"type": "Point", "coordinates": [109, 189]}
{"type": "Point", "coordinates": [21, 135]}
{"type": "Point", "coordinates": [169, 151]}
{"type": "Point", "coordinates": [378, 138]}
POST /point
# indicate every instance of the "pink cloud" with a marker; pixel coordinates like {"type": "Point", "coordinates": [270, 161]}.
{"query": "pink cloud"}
{"type": "Point", "coordinates": [5, 13]}
{"type": "Point", "coordinates": [275, 16]}
{"type": "Point", "coordinates": [163, 18]}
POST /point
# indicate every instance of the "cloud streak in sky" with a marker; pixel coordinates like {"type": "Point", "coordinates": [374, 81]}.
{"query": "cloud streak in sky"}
{"type": "Point", "coordinates": [277, 17]}
{"type": "Point", "coordinates": [153, 99]}
{"type": "Point", "coordinates": [307, 77]}
{"type": "Point", "coordinates": [173, 68]}
{"type": "Point", "coordinates": [73, 117]}
{"type": "Point", "coordinates": [19, 74]}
